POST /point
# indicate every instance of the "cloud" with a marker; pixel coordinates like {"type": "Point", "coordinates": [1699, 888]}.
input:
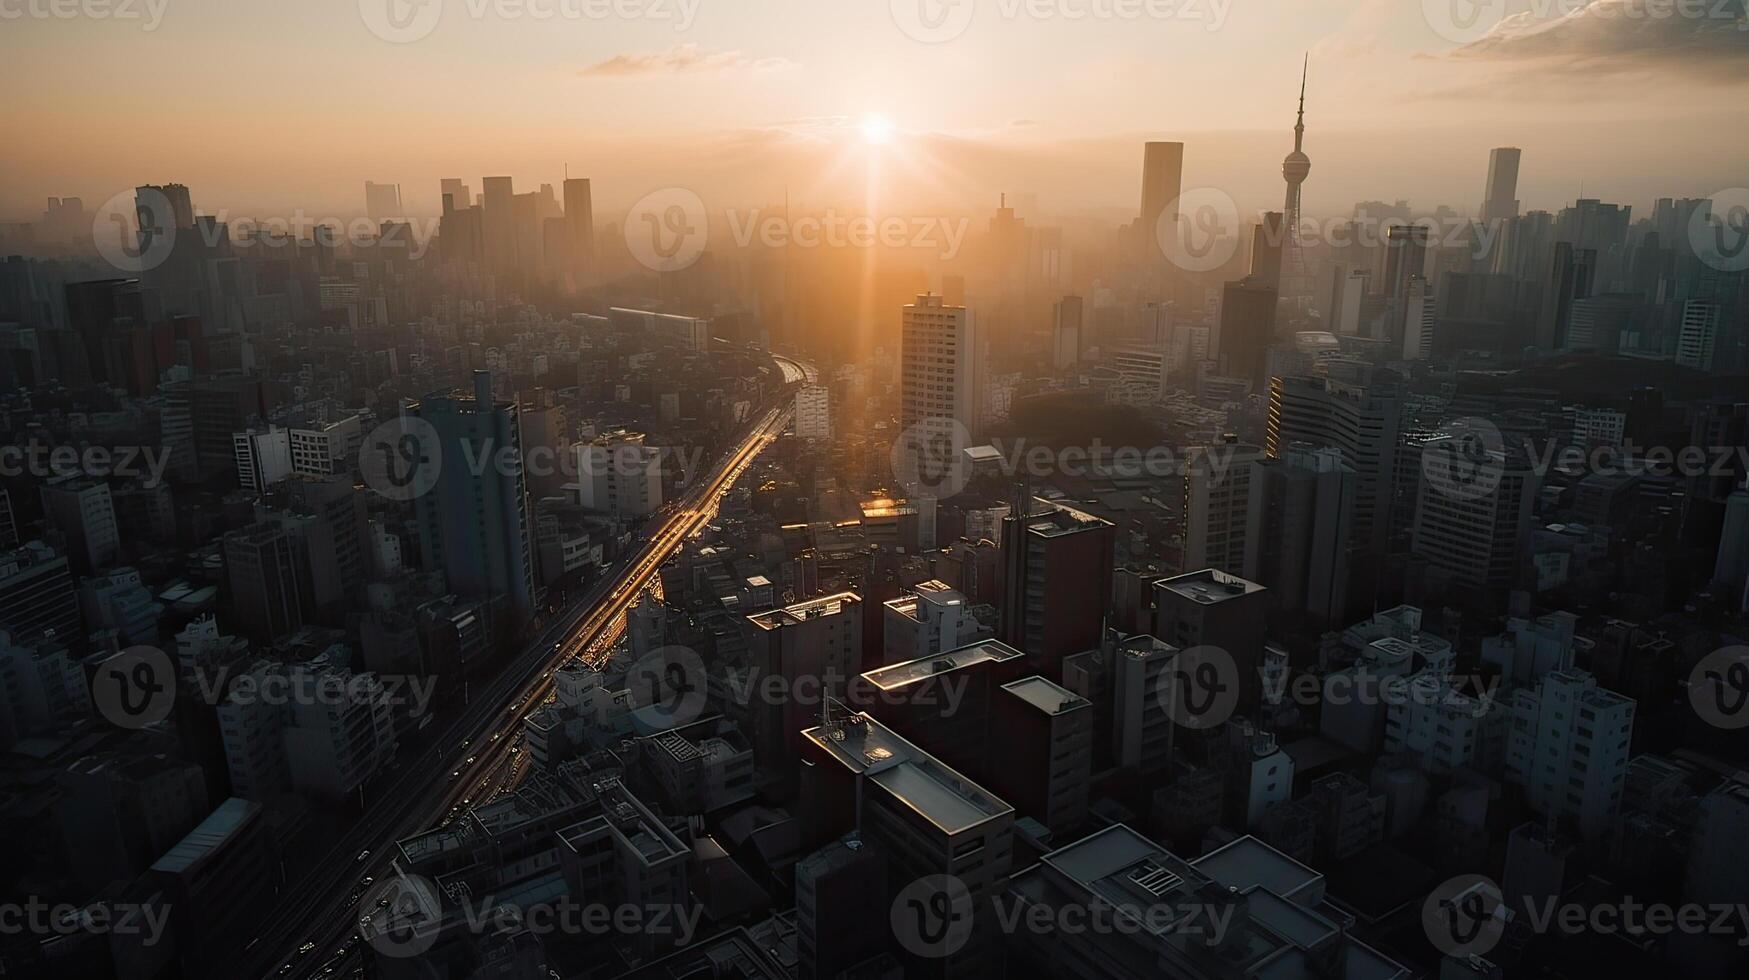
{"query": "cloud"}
{"type": "Point", "coordinates": [682, 59]}
{"type": "Point", "coordinates": [1690, 38]}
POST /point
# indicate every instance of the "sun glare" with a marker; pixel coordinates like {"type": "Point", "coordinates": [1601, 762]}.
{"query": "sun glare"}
{"type": "Point", "coordinates": [876, 129]}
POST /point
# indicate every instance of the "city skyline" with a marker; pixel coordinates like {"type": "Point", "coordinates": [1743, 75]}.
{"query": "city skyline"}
{"type": "Point", "coordinates": [779, 103]}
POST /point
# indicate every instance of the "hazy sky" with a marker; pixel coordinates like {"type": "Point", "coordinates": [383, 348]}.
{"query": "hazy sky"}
{"type": "Point", "coordinates": [262, 106]}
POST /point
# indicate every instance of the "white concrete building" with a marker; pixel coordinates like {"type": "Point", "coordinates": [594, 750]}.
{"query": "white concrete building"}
{"type": "Point", "coordinates": [619, 475]}
{"type": "Point", "coordinates": [934, 618]}
{"type": "Point", "coordinates": [1567, 745]}
{"type": "Point", "coordinates": [938, 375]}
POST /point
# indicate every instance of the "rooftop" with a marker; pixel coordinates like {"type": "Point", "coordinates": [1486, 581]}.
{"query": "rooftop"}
{"type": "Point", "coordinates": [898, 675]}
{"type": "Point", "coordinates": [1046, 696]}
{"type": "Point", "coordinates": [1208, 586]}
{"type": "Point", "coordinates": [910, 775]}
{"type": "Point", "coordinates": [219, 827]}
{"type": "Point", "coordinates": [801, 612]}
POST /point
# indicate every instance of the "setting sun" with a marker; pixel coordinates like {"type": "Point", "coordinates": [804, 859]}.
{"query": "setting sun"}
{"type": "Point", "coordinates": [876, 129]}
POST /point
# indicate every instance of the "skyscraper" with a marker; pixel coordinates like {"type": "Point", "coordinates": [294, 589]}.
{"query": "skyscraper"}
{"type": "Point", "coordinates": [1057, 586]}
{"type": "Point", "coordinates": [382, 202]}
{"type": "Point", "coordinates": [1067, 337]}
{"type": "Point", "coordinates": [580, 232]}
{"type": "Point", "coordinates": [1571, 275]}
{"type": "Point", "coordinates": [1162, 182]}
{"type": "Point", "coordinates": [176, 195]}
{"type": "Point", "coordinates": [1500, 198]}
{"type": "Point", "coordinates": [498, 224]}
{"type": "Point", "coordinates": [1247, 326]}
{"type": "Point", "coordinates": [1405, 257]}
{"type": "Point", "coordinates": [1471, 540]}
{"type": "Point", "coordinates": [457, 192]}
{"type": "Point", "coordinates": [474, 526]}
{"type": "Point", "coordinates": [1360, 420]}
{"type": "Point", "coordinates": [938, 367]}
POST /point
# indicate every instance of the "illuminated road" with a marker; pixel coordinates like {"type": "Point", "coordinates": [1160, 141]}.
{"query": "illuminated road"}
{"type": "Point", "coordinates": [478, 755]}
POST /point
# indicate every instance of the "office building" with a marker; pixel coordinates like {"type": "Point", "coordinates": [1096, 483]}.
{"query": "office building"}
{"type": "Point", "coordinates": [930, 618]}
{"type": "Point", "coordinates": [1697, 343]}
{"type": "Point", "coordinates": [580, 232]}
{"type": "Point", "coordinates": [814, 413]}
{"type": "Point", "coordinates": [213, 882]}
{"type": "Point", "coordinates": [1405, 257]}
{"type": "Point", "coordinates": [382, 202]}
{"type": "Point", "coordinates": [1045, 762]}
{"type": "Point", "coordinates": [1360, 420]}
{"type": "Point", "coordinates": [938, 376]}
{"type": "Point", "coordinates": [925, 817]}
{"type": "Point", "coordinates": [37, 596]}
{"type": "Point", "coordinates": [1215, 609]}
{"type": "Point", "coordinates": [263, 458]}
{"type": "Point", "coordinates": [1500, 196]}
{"type": "Point", "coordinates": [1057, 583]}
{"type": "Point", "coordinates": [1247, 327]}
{"type": "Point", "coordinates": [618, 474]}
{"type": "Point", "coordinates": [1244, 909]}
{"type": "Point", "coordinates": [1067, 336]}
{"type": "Point", "coordinates": [944, 703]}
{"type": "Point", "coordinates": [1570, 277]}
{"type": "Point", "coordinates": [821, 639]}
{"type": "Point", "coordinates": [1419, 310]}
{"type": "Point", "coordinates": [834, 931]}
{"type": "Point", "coordinates": [1162, 182]}
{"type": "Point", "coordinates": [1567, 746]}
{"type": "Point", "coordinates": [1224, 504]}
{"type": "Point", "coordinates": [1306, 531]}
{"type": "Point", "coordinates": [269, 580]}
{"type": "Point", "coordinates": [327, 449]}
{"type": "Point", "coordinates": [42, 687]}
{"type": "Point", "coordinates": [81, 509]}
{"type": "Point", "coordinates": [1142, 729]}
{"type": "Point", "coordinates": [475, 527]}
{"type": "Point", "coordinates": [1468, 538]}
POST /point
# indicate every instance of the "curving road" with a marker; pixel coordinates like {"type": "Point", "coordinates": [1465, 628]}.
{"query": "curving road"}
{"type": "Point", "coordinates": [313, 931]}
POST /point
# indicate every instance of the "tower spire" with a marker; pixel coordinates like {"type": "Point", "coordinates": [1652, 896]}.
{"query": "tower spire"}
{"type": "Point", "coordinates": [1300, 123]}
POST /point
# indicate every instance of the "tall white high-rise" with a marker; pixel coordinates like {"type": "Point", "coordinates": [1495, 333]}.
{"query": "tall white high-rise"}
{"type": "Point", "coordinates": [814, 413]}
{"type": "Point", "coordinates": [938, 367]}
